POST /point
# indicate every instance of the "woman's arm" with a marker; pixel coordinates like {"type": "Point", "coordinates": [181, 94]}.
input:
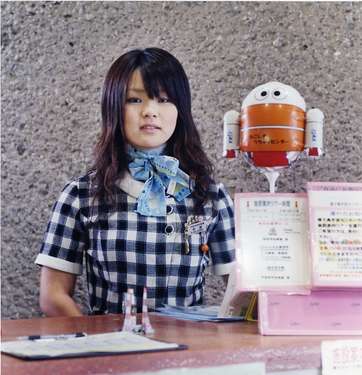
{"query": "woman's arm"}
{"type": "Point", "coordinates": [56, 291]}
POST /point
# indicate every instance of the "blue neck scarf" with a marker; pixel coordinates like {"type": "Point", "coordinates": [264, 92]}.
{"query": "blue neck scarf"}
{"type": "Point", "coordinates": [161, 175]}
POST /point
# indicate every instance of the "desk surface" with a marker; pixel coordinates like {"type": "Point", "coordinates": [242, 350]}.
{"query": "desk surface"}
{"type": "Point", "coordinates": [210, 344]}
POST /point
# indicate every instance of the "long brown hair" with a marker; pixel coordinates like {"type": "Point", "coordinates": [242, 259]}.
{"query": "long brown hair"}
{"type": "Point", "coordinates": [160, 71]}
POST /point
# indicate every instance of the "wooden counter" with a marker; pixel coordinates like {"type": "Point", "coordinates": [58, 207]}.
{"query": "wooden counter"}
{"type": "Point", "coordinates": [210, 344]}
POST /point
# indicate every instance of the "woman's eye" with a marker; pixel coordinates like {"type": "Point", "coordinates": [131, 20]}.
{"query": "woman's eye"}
{"type": "Point", "coordinates": [164, 99]}
{"type": "Point", "coordinates": [133, 100]}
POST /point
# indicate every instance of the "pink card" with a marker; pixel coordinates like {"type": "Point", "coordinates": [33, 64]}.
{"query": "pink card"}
{"type": "Point", "coordinates": [320, 313]}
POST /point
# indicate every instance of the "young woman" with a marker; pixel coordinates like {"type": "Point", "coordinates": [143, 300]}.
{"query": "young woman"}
{"type": "Point", "coordinates": [148, 213]}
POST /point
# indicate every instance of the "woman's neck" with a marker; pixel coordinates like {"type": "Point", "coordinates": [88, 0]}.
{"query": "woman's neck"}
{"type": "Point", "coordinates": [155, 151]}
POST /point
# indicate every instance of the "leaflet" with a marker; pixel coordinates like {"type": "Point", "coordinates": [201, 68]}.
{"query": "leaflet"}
{"type": "Point", "coordinates": [336, 233]}
{"type": "Point", "coordinates": [272, 241]}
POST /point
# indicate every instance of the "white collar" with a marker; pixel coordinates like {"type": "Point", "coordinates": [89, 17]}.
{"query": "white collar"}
{"type": "Point", "coordinates": [134, 187]}
{"type": "Point", "coordinates": [130, 186]}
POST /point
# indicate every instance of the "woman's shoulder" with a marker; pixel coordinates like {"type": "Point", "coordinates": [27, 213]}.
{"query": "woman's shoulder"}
{"type": "Point", "coordinates": [80, 187]}
{"type": "Point", "coordinates": [220, 197]}
{"type": "Point", "coordinates": [217, 190]}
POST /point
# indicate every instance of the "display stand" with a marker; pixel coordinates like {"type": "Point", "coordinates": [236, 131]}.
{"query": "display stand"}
{"type": "Point", "coordinates": [305, 287]}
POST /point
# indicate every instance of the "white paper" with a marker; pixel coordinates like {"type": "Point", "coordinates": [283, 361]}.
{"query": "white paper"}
{"type": "Point", "coordinates": [342, 357]}
{"type": "Point", "coordinates": [310, 371]}
{"type": "Point", "coordinates": [256, 368]}
{"type": "Point", "coordinates": [236, 302]}
{"type": "Point", "coordinates": [336, 236]}
{"type": "Point", "coordinates": [272, 241]}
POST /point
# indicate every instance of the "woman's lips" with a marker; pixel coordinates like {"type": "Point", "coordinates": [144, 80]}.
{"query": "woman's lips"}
{"type": "Point", "coordinates": [150, 128]}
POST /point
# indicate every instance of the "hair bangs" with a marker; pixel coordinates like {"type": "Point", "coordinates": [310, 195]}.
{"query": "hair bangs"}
{"type": "Point", "coordinates": [156, 81]}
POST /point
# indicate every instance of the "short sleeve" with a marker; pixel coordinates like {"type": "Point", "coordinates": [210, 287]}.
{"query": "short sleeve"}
{"type": "Point", "coordinates": [65, 238]}
{"type": "Point", "coordinates": [222, 236]}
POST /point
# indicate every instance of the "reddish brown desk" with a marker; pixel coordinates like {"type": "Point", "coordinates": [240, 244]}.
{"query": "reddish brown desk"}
{"type": "Point", "coordinates": [210, 344]}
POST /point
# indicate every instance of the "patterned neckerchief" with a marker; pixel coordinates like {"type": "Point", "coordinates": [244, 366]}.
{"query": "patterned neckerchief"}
{"type": "Point", "coordinates": [161, 175]}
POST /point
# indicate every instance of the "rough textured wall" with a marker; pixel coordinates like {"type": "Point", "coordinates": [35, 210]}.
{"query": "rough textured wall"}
{"type": "Point", "coordinates": [54, 58]}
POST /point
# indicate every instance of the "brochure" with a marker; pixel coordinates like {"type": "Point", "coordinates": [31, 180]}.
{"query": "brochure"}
{"type": "Point", "coordinates": [335, 214]}
{"type": "Point", "coordinates": [272, 241]}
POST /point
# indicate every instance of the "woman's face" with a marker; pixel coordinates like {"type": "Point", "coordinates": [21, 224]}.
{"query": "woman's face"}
{"type": "Point", "coordinates": [148, 123]}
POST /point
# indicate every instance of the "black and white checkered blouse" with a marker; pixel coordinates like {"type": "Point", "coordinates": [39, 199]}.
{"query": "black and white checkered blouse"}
{"type": "Point", "coordinates": [124, 249]}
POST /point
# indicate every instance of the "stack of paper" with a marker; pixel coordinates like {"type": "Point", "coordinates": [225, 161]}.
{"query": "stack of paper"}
{"type": "Point", "coordinates": [196, 313]}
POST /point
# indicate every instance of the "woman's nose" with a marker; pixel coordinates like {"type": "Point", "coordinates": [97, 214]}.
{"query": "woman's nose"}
{"type": "Point", "coordinates": [150, 109]}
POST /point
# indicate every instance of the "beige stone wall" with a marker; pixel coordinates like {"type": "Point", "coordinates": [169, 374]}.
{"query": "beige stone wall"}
{"type": "Point", "coordinates": [54, 58]}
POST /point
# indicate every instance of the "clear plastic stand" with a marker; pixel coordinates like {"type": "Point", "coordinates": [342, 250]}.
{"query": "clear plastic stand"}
{"type": "Point", "coordinates": [272, 177]}
{"type": "Point", "coordinates": [130, 311]}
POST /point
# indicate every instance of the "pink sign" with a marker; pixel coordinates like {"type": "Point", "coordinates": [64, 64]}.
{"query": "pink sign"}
{"type": "Point", "coordinates": [320, 313]}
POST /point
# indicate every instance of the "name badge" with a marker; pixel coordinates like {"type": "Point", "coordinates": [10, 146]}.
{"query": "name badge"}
{"type": "Point", "coordinates": [194, 225]}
